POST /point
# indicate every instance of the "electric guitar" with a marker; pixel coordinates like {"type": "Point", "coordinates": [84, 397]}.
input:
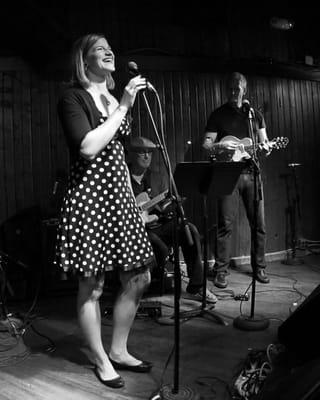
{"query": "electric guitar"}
{"type": "Point", "coordinates": [245, 149]}
{"type": "Point", "coordinates": [145, 204]}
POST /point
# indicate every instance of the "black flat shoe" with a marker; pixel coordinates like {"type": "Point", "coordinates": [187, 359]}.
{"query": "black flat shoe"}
{"type": "Point", "coordinates": [114, 383]}
{"type": "Point", "coordinates": [144, 366]}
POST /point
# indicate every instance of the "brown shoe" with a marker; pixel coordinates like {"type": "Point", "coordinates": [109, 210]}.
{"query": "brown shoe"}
{"type": "Point", "coordinates": [261, 276]}
{"type": "Point", "coordinates": [220, 280]}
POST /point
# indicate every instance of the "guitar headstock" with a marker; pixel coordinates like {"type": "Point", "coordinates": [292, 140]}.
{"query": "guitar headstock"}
{"type": "Point", "coordinates": [279, 142]}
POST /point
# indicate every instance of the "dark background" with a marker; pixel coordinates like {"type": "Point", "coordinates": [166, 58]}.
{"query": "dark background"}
{"type": "Point", "coordinates": [42, 32]}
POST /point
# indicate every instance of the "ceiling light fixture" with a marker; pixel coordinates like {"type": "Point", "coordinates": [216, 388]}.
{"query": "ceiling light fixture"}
{"type": "Point", "coordinates": [282, 24]}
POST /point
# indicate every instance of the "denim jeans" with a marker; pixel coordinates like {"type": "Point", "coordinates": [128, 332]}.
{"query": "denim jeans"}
{"type": "Point", "coordinates": [227, 211]}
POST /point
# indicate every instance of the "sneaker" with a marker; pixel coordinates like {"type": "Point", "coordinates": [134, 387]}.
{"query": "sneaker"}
{"type": "Point", "coordinates": [220, 280]}
{"type": "Point", "coordinates": [262, 276]}
{"type": "Point", "coordinates": [210, 297]}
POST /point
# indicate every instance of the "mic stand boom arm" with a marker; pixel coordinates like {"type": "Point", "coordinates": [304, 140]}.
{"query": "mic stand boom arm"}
{"type": "Point", "coordinates": [134, 71]}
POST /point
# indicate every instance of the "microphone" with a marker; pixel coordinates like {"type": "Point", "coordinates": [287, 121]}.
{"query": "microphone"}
{"type": "Point", "coordinates": [246, 107]}
{"type": "Point", "coordinates": [134, 71]}
{"type": "Point", "coordinates": [133, 68]}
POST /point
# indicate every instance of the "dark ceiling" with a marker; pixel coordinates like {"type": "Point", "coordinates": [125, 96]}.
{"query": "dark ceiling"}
{"type": "Point", "coordinates": [32, 27]}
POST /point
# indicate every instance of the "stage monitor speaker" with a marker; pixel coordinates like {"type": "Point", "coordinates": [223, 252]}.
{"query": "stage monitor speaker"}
{"type": "Point", "coordinates": [300, 332]}
{"type": "Point", "coordinates": [296, 383]}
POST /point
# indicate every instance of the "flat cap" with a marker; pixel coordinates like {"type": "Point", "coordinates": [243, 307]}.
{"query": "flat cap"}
{"type": "Point", "coordinates": [141, 143]}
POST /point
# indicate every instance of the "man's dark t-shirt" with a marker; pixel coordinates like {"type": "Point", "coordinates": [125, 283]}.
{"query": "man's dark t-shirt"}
{"type": "Point", "coordinates": [228, 120]}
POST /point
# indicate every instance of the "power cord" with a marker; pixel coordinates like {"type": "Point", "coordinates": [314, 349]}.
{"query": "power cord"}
{"type": "Point", "coordinates": [14, 326]}
{"type": "Point", "coordinates": [203, 381]}
{"type": "Point", "coordinates": [301, 297]}
{"type": "Point", "coordinates": [52, 347]}
{"type": "Point", "coordinates": [156, 395]}
{"type": "Point", "coordinates": [225, 294]}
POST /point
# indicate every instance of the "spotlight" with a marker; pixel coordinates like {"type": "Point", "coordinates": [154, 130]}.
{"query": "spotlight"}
{"type": "Point", "coordinates": [282, 24]}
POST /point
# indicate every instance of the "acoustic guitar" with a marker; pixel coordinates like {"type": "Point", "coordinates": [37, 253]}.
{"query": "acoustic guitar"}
{"type": "Point", "coordinates": [245, 151]}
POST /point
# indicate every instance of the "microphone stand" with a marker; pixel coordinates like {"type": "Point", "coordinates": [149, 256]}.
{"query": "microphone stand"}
{"type": "Point", "coordinates": [294, 211]}
{"type": "Point", "coordinates": [245, 322]}
{"type": "Point", "coordinates": [174, 391]}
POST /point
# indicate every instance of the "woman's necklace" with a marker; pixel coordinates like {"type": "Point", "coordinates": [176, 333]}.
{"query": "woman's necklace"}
{"type": "Point", "coordinates": [106, 103]}
{"type": "Point", "coordinates": [102, 101]}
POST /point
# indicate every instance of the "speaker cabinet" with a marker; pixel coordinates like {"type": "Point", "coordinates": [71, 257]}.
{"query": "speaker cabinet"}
{"type": "Point", "coordinates": [20, 239]}
{"type": "Point", "coordinates": [300, 382]}
{"type": "Point", "coordinates": [300, 333]}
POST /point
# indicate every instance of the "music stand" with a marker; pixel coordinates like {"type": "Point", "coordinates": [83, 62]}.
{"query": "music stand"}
{"type": "Point", "coordinates": [209, 179]}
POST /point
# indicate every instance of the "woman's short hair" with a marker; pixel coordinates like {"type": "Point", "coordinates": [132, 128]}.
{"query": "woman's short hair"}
{"type": "Point", "coordinates": [79, 51]}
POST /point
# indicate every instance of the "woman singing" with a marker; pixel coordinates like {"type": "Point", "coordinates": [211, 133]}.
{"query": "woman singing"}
{"type": "Point", "coordinates": [100, 228]}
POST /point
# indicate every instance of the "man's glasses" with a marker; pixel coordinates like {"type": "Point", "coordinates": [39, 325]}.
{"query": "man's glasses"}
{"type": "Point", "coordinates": [143, 152]}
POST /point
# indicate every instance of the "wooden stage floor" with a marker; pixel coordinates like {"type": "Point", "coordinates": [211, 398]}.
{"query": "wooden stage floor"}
{"type": "Point", "coordinates": [51, 361]}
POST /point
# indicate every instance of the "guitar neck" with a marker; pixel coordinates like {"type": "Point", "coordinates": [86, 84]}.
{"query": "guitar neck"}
{"type": "Point", "coordinates": [217, 146]}
{"type": "Point", "coordinates": [272, 143]}
{"type": "Point", "coordinates": [251, 147]}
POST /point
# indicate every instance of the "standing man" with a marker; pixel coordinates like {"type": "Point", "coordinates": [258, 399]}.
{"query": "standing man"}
{"type": "Point", "coordinates": [226, 127]}
{"type": "Point", "coordinates": [159, 227]}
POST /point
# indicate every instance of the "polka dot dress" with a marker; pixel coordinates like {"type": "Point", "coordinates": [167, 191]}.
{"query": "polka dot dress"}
{"type": "Point", "coordinates": [100, 227]}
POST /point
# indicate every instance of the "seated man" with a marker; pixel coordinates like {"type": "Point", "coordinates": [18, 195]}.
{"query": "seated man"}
{"type": "Point", "coordinates": [146, 185]}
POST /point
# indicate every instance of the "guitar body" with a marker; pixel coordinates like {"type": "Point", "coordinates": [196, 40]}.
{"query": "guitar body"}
{"type": "Point", "coordinates": [142, 199]}
{"type": "Point", "coordinates": [145, 204]}
{"type": "Point", "coordinates": [240, 153]}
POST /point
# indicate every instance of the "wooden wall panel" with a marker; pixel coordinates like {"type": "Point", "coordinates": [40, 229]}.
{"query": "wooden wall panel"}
{"type": "Point", "coordinates": [8, 137]}
{"type": "Point", "coordinates": [27, 138]}
{"type": "Point", "coordinates": [17, 141]}
{"type": "Point", "coordinates": [3, 188]}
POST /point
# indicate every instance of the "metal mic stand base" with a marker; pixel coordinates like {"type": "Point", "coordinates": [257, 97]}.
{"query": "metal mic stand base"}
{"type": "Point", "coordinates": [167, 393]}
{"type": "Point", "coordinates": [292, 259]}
{"type": "Point", "coordinates": [251, 322]}
{"type": "Point", "coordinates": [204, 312]}
{"type": "Point", "coordinates": [199, 312]}
{"type": "Point", "coordinates": [248, 323]}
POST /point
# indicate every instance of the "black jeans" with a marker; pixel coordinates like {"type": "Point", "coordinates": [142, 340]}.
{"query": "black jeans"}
{"type": "Point", "coordinates": [162, 238]}
{"type": "Point", "coordinates": [227, 211]}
